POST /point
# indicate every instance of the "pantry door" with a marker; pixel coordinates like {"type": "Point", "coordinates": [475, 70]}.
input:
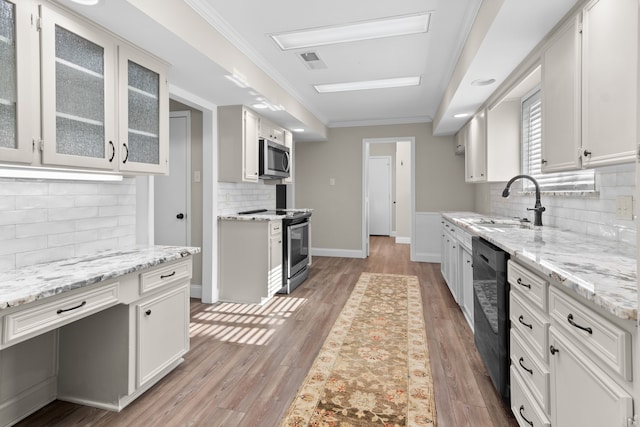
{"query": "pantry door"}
{"type": "Point", "coordinates": [172, 193]}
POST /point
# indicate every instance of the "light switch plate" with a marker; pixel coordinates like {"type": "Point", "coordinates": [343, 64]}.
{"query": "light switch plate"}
{"type": "Point", "coordinates": [624, 207]}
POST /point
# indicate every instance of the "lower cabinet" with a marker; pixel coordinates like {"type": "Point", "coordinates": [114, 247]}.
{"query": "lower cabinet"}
{"type": "Point", "coordinates": [104, 358]}
{"type": "Point", "coordinates": [250, 260]}
{"type": "Point", "coordinates": [583, 394]}
{"type": "Point", "coordinates": [162, 337]}
{"type": "Point", "coordinates": [457, 266]}
{"type": "Point", "coordinates": [570, 365]}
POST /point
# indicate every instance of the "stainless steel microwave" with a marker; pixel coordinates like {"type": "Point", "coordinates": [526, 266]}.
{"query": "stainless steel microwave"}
{"type": "Point", "coordinates": [275, 160]}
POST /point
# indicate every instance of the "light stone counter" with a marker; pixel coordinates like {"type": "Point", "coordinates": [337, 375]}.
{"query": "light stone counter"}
{"type": "Point", "coordinates": [600, 270]}
{"type": "Point", "coordinates": [28, 284]}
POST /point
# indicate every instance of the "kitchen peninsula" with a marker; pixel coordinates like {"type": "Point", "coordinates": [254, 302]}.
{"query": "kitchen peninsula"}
{"type": "Point", "coordinates": [97, 330]}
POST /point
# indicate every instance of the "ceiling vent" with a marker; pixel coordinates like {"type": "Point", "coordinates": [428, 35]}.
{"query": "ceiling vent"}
{"type": "Point", "coordinates": [312, 61]}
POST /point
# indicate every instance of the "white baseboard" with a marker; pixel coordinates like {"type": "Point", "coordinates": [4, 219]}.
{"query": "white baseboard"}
{"type": "Point", "coordinates": [337, 253]}
{"type": "Point", "coordinates": [403, 240]}
{"type": "Point", "coordinates": [428, 257]}
{"type": "Point", "coordinates": [195, 291]}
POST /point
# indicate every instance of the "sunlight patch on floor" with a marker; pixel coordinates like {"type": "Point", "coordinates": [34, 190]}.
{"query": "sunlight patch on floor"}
{"type": "Point", "coordinates": [244, 323]}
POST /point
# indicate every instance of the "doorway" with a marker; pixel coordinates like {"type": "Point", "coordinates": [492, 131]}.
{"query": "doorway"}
{"type": "Point", "coordinates": [403, 208]}
{"type": "Point", "coordinates": [172, 193]}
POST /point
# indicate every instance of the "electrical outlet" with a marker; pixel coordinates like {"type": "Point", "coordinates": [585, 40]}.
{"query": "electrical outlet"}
{"type": "Point", "coordinates": [332, 181]}
{"type": "Point", "coordinates": [196, 176]}
{"type": "Point", "coordinates": [624, 207]}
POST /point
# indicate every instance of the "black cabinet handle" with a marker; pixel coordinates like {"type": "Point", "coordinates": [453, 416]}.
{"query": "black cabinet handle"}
{"type": "Point", "coordinates": [521, 320]}
{"type": "Point", "coordinates": [63, 310]}
{"type": "Point", "coordinates": [180, 216]}
{"type": "Point", "coordinates": [113, 153]}
{"type": "Point", "coordinates": [168, 275]}
{"type": "Point", "coordinates": [572, 323]}
{"type": "Point", "coordinates": [587, 153]}
{"type": "Point", "coordinates": [521, 283]}
{"type": "Point", "coordinates": [553, 350]}
{"type": "Point", "coordinates": [521, 362]}
{"type": "Point", "coordinates": [523, 417]}
{"type": "Point", "coordinates": [148, 312]}
{"type": "Point", "coordinates": [126, 157]}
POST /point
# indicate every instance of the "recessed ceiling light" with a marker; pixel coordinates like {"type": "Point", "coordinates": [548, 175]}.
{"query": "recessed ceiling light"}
{"type": "Point", "coordinates": [461, 115]}
{"type": "Point", "coordinates": [367, 30]}
{"type": "Point", "coordinates": [483, 82]}
{"type": "Point", "coordinates": [369, 84]}
{"type": "Point", "coordinates": [86, 2]}
{"type": "Point", "coordinates": [298, 130]}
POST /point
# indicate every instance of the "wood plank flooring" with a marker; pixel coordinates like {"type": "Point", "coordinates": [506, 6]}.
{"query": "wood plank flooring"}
{"type": "Point", "coordinates": [246, 362]}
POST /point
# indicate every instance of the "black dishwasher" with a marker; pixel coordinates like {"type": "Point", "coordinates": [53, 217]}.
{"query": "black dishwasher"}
{"type": "Point", "coordinates": [491, 311]}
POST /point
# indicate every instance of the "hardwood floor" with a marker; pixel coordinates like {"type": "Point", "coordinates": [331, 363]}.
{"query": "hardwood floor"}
{"type": "Point", "coordinates": [246, 362]}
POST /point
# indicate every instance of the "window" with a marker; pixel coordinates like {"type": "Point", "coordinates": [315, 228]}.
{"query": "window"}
{"type": "Point", "coordinates": [580, 180]}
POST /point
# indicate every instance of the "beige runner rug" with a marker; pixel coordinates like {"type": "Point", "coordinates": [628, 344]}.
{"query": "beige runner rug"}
{"type": "Point", "coordinates": [373, 368]}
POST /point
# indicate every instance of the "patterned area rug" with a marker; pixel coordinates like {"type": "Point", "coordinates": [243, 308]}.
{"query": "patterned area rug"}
{"type": "Point", "coordinates": [373, 368]}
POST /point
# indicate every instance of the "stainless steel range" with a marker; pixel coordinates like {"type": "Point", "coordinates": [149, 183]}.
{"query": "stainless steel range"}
{"type": "Point", "coordinates": [295, 245]}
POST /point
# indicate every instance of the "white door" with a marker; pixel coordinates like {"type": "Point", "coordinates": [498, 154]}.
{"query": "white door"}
{"type": "Point", "coordinates": [172, 192]}
{"type": "Point", "coordinates": [380, 196]}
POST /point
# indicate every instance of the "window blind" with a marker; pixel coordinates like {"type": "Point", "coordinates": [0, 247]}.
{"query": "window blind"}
{"type": "Point", "coordinates": [579, 180]}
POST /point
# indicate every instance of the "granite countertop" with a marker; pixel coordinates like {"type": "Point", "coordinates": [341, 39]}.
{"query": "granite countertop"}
{"type": "Point", "coordinates": [28, 284]}
{"type": "Point", "coordinates": [260, 216]}
{"type": "Point", "coordinates": [600, 270]}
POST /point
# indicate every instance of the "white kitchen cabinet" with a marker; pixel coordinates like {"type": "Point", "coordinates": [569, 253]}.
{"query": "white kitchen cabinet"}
{"type": "Point", "coordinates": [161, 332]}
{"type": "Point", "coordinates": [451, 262]}
{"type": "Point", "coordinates": [250, 260]}
{"type": "Point", "coordinates": [493, 149]}
{"type": "Point", "coordinates": [238, 154]}
{"type": "Point", "coordinates": [475, 162]}
{"type": "Point", "coordinates": [561, 98]}
{"type": "Point", "coordinates": [466, 283]}
{"type": "Point", "coordinates": [610, 74]}
{"type": "Point", "coordinates": [18, 59]}
{"type": "Point", "coordinates": [74, 94]}
{"type": "Point", "coordinates": [143, 112]}
{"type": "Point", "coordinates": [78, 93]}
{"type": "Point", "coordinates": [270, 130]}
{"type": "Point", "coordinates": [582, 393]}
{"type": "Point", "coordinates": [589, 70]}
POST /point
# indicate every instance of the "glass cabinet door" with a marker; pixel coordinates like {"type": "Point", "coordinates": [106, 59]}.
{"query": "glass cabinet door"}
{"type": "Point", "coordinates": [78, 81]}
{"type": "Point", "coordinates": [144, 112]}
{"type": "Point", "coordinates": [16, 132]}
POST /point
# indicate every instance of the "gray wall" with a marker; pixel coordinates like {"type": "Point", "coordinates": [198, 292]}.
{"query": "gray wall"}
{"type": "Point", "coordinates": [337, 218]}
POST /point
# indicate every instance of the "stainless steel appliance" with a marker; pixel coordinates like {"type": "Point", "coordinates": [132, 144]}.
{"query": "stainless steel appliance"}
{"type": "Point", "coordinates": [295, 247]}
{"type": "Point", "coordinates": [491, 311]}
{"type": "Point", "coordinates": [274, 159]}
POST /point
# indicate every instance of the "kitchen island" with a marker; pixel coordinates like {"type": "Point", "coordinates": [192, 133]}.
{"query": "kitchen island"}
{"type": "Point", "coordinates": [97, 330]}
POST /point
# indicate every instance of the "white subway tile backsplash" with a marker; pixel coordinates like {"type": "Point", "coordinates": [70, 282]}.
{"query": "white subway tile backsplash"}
{"type": "Point", "coordinates": [593, 214]}
{"type": "Point", "coordinates": [235, 197]}
{"type": "Point", "coordinates": [43, 221]}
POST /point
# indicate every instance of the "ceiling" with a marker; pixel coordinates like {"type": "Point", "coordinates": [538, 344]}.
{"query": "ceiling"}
{"type": "Point", "coordinates": [508, 35]}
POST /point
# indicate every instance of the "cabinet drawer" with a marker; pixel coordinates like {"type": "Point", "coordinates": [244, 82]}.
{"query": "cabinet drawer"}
{"type": "Point", "coordinates": [29, 322]}
{"type": "Point", "coordinates": [275, 228]}
{"type": "Point", "coordinates": [532, 325]}
{"type": "Point", "coordinates": [535, 374]}
{"type": "Point", "coordinates": [523, 405]}
{"type": "Point", "coordinates": [164, 275]}
{"type": "Point", "coordinates": [529, 284]}
{"type": "Point", "coordinates": [606, 341]}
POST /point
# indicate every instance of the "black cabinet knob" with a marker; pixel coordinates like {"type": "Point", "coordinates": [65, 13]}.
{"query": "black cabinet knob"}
{"type": "Point", "coordinates": [180, 216]}
{"type": "Point", "coordinates": [148, 312]}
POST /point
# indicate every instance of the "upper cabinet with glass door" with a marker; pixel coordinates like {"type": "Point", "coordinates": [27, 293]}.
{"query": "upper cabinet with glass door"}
{"type": "Point", "coordinates": [78, 67]}
{"type": "Point", "coordinates": [144, 109]}
{"type": "Point", "coordinates": [16, 97]}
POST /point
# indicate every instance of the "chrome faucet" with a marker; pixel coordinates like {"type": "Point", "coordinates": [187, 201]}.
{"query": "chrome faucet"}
{"type": "Point", "coordinates": [538, 208]}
